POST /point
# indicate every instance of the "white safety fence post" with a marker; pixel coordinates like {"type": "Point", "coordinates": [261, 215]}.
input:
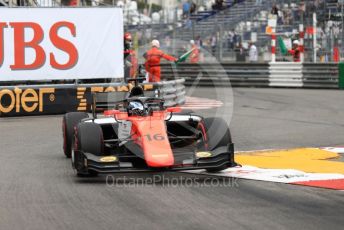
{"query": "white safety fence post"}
{"type": "Point", "coordinates": [273, 45]}
{"type": "Point", "coordinates": [315, 37]}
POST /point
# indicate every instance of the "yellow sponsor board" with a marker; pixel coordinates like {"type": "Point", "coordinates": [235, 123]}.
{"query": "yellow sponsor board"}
{"type": "Point", "coordinates": [27, 100]}
{"type": "Point", "coordinates": [52, 100]}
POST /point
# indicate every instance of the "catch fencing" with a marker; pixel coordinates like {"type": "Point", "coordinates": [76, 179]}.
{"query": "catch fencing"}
{"type": "Point", "coordinates": [43, 99]}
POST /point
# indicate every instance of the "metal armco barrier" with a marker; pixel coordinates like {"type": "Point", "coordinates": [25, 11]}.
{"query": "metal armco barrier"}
{"type": "Point", "coordinates": [172, 91]}
{"type": "Point", "coordinates": [219, 74]}
{"type": "Point", "coordinates": [341, 75]}
{"type": "Point", "coordinates": [320, 75]}
{"type": "Point", "coordinates": [285, 74]}
{"type": "Point", "coordinates": [281, 74]}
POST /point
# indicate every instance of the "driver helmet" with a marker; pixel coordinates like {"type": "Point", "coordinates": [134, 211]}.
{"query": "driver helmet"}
{"type": "Point", "coordinates": [136, 108]}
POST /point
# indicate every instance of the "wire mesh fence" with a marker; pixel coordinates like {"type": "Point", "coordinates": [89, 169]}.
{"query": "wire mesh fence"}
{"type": "Point", "coordinates": [226, 32]}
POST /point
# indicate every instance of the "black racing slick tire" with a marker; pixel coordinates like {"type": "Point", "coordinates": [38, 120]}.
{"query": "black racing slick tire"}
{"type": "Point", "coordinates": [70, 120]}
{"type": "Point", "coordinates": [88, 138]}
{"type": "Point", "coordinates": [216, 134]}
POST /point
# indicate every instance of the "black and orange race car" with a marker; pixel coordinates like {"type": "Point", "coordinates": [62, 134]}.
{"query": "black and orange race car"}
{"type": "Point", "coordinates": [140, 134]}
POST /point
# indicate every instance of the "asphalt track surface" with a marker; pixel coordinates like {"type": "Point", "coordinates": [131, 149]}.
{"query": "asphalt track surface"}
{"type": "Point", "coordinates": [38, 189]}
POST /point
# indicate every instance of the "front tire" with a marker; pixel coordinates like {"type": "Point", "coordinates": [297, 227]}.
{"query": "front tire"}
{"type": "Point", "coordinates": [216, 134]}
{"type": "Point", "coordinates": [88, 138]}
{"type": "Point", "coordinates": [70, 120]}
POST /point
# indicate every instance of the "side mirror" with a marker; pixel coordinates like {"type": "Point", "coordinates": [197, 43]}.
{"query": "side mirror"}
{"type": "Point", "coordinates": [111, 112]}
{"type": "Point", "coordinates": [174, 109]}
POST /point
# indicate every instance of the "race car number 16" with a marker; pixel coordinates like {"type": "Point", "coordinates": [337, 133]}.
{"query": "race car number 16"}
{"type": "Point", "coordinates": [156, 137]}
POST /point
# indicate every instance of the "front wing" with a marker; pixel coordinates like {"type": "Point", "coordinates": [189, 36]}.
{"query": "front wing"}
{"type": "Point", "coordinates": [219, 157]}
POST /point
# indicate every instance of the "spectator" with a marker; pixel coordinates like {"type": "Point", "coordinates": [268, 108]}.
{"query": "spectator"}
{"type": "Point", "coordinates": [201, 8]}
{"type": "Point", "coordinates": [209, 4]}
{"type": "Point", "coordinates": [280, 19]}
{"type": "Point", "coordinates": [188, 23]}
{"type": "Point", "coordinates": [193, 8]}
{"type": "Point", "coordinates": [288, 17]}
{"type": "Point", "coordinates": [321, 54]}
{"type": "Point", "coordinates": [155, 18]}
{"type": "Point", "coordinates": [130, 59]}
{"type": "Point", "coordinates": [253, 53]}
{"type": "Point", "coordinates": [230, 40]}
{"type": "Point", "coordinates": [274, 10]}
{"type": "Point", "coordinates": [194, 57]}
{"type": "Point", "coordinates": [309, 8]}
{"type": "Point", "coordinates": [199, 44]}
{"type": "Point", "coordinates": [120, 4]}
{"type": "Point", "coordinates": [20, 3]}
{"type": "Point", "coordinates": [199, 41]}
{"type": "Point", "coordinates": [236, 39]}
{"type": "Point", "coordinates": [302, 9]}
{"type": "Point", "coordinates": [72, 3]}
{"type": "Point", "coordinates": [186, 9]}
{"type": "Point", "coordinates": [213, 44]}
{"type": "Point", "coordinates": [218, 5]}
{"type": "Point", "coordinates": [240, 55]}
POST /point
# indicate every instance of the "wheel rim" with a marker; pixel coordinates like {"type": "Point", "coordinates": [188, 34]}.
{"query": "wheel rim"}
{"type": "Point", "coordinates": [73, 158]}
{"type": "Point", "coordinates": [73, 155]}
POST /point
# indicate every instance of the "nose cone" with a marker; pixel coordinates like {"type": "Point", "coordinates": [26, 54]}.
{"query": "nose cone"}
{"type": "Point", "coordinates": [154, 141]}
{"type": "Point", "coordinates": [159, 160]}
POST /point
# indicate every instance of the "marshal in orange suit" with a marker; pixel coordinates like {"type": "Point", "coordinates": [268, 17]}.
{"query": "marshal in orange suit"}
{"type": "Point", "coordinates": [153, 57]}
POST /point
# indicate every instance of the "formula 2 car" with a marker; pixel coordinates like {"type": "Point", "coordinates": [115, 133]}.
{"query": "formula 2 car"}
{"type": "Point", "coordinates": [140, 134]}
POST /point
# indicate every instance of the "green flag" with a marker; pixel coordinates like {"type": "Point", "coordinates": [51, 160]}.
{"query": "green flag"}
{"type": "Point", "coordinates": [184, 56]}
{"type": "Point", "coordinates": [282, 46]}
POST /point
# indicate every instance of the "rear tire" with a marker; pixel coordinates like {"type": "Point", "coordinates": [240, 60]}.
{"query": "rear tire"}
{"type": "Point", "coordinates": [217, 135]}
{"type": "Point", "coordinates": [70, 120]}
{"type": "Point", "coordinates": [88, 138]}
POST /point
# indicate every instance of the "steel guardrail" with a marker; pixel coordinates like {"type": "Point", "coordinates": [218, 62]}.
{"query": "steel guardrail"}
{"type": "Point", "coordinates": [279, 74]}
